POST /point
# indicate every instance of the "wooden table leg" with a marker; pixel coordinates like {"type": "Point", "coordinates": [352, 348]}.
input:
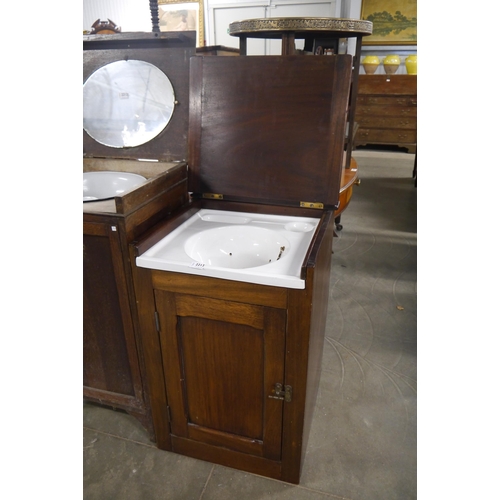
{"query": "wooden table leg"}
{"type": "Point", "coordinates": [243, 45]}
{"type": "Point", "coordinates": [288, 44]}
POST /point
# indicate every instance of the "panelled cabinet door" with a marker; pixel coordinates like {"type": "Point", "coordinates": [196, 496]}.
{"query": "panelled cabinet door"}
{"type": "Point", "coordinates": [222, 360]}
{"type": "Point", "coordinates": [111, 367]}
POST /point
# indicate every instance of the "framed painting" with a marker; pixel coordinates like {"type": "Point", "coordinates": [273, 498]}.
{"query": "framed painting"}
{"type": "Point", "coordinates": [176, 15]}
{"type": "Point", "coordinates": [394, 21]}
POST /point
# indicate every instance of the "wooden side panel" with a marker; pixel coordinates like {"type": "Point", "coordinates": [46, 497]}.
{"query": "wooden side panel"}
{"type": "Point", "coordinates": [304, 349]}
{"type": "Point", "coordinates": [320, 282]}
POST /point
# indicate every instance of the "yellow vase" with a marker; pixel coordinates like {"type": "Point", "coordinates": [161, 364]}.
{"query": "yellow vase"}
{"type": "Point", "coordinates": [411, 65]}
{"type": "Point", "coordinates": [370, 64]}
{"type": "Point", "coordinates": [391, 63]}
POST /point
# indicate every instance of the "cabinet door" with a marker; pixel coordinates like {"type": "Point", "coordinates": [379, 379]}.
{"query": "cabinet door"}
{"type": "Point", "coordinates": [222, 360]}
{"type": "Point", "coordinates": [110, 367]}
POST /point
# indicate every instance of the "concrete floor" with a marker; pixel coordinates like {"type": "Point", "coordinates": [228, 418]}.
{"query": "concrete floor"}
{"type": "Point", "coordinates": [363, 441]}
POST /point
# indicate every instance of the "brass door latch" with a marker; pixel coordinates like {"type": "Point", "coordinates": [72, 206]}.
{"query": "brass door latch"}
{"type": "Point", "coordinates": [278, 393]}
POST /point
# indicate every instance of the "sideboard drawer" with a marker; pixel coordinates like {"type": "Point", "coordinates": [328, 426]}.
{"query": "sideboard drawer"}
{"type": "Point", "coordinates": [371, 100]}
{"type": "Point", "coordinates": [365, 112]}
{"type": "Point", "coordinates": [392, 122]}
{"type": "Point", "coordinates": [386, 136]}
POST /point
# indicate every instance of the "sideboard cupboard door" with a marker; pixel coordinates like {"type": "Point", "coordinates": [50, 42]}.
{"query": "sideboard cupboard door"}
{"type": "Point", "coordinates": [222, 360]}
{"type": "Point", "coordinates": [111, 366]}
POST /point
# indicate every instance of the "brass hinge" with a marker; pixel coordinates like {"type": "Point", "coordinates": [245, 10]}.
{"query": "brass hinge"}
{"type": "Point", "coordinates": [213, 196]}
{"type": "Point", "coordinates": [157, 322]}
{"type": "Point", "coordinates": [278, 393]}
{"type": "Point", "coordinates": [311, 204]}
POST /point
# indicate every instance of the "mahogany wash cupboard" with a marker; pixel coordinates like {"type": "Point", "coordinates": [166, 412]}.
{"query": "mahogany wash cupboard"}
{"type": "Point", "coordinates": [233, 367]}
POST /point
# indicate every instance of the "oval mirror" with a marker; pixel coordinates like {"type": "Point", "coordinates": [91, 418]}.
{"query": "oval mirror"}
{"type": "Point", "coordinates": [127, 103]}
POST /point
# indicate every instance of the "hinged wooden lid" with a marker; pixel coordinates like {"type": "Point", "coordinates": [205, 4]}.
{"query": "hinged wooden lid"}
{"type": "Point", "coordinates": [168, 51]}
{"type": "Point", "coordinates": [268, 129]}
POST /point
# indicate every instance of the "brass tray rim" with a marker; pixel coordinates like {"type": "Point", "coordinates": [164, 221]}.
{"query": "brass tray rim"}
{"type": "Point", "coordinates": [299, 25]}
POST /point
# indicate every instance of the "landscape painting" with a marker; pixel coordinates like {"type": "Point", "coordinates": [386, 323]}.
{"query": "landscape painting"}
{"type": "Point", "coordinates": [394, 21]}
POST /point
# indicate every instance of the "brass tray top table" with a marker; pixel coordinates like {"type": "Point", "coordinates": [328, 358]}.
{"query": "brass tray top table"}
{"type": "Point", "coordinates": [291, 28]}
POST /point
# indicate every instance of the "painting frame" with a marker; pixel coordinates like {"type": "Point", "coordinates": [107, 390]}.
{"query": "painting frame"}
{"type": "Point", "coordinates": [394, 21]}
{"type": "Point", "coordinates": [171, 19]}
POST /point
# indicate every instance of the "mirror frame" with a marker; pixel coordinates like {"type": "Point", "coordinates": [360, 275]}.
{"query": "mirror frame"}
{"type": "Point", "coordinates": [200, 30]}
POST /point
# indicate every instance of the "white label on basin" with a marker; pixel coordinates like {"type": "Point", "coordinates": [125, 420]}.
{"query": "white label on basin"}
{"type": "Point", "coordinates": [198, 265]}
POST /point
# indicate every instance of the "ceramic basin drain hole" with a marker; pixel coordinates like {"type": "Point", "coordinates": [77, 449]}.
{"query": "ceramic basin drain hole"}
{"type": "Point", "coordinates": [127, 103]}
{"type": "Point", "coordinates": [237, 247]}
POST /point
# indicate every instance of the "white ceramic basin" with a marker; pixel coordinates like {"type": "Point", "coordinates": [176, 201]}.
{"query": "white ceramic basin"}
{"type": "Point", "coordinates": [253, 248]}
{"type": "Point", "coordinates": [237, 247]}
{"type": "Point", "coordinates": [105, 185]}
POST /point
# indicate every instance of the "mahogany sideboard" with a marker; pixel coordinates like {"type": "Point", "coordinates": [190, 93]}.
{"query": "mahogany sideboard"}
{"type": "Point", "coordinates": [113, 367]}
{"type": "Point", "coordinates": [386, 111]}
